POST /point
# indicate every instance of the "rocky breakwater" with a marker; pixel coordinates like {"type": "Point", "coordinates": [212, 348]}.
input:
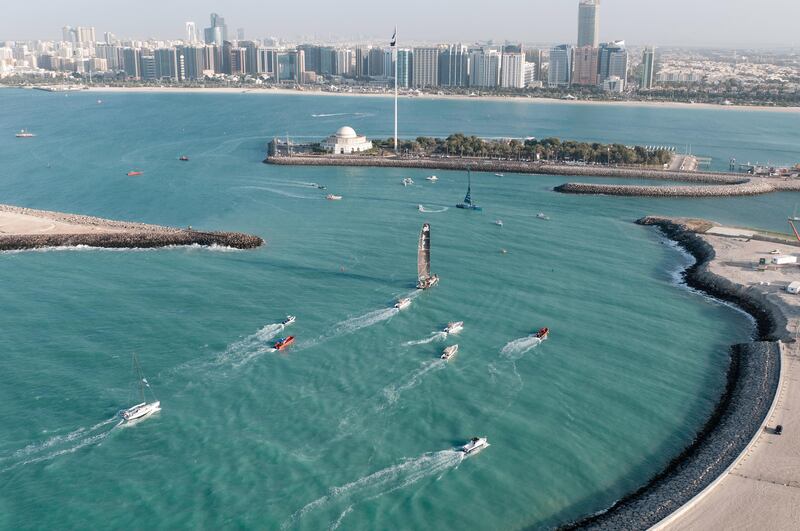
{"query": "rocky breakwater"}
{"type": "Point", "coordinates": [711, 188]}
{"type": "Point", "coordinates": [24, 228]}
{"type": "Point", "coordinates": [752, 381]}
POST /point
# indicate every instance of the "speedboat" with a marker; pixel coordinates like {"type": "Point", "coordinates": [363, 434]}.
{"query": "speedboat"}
{"type": "Point", "coordinates": [542, 333]}
{"type": "Point", "coordinates": [432, 178]}
{"type": "Point", "coordinates": [454, 327]}
{"type": "Point", "coordinates": [449, 352]}
{"type": "Point", "coordinates": [283, 343]}
{"type": "Point", "coordinates": [498, 222]}
{"type": "Point", "coordinates": [322, 187]}
{"type": "Point", "coordinates": [499, 175]}
{"type": "Point", "coordinates": [139, 411]}
{"type": "Point", "coordinates": [183, 158]}
{"type": "Point", "coordinates": [134, 173]}
{"type": "Point", "coordinates": [289, 320]}
{"type": "Point", "coordinates": [475, 445]}
{"type": "Point", "coordinates": [408, 181]}
{"type": "Point", "coordinates": [24, 134]}
{"type": "Point", "coordinates": [541, 215]}
{"type": "Point", "coordinates": [402, 304]}
{"type": "Point", "coordinates": [332, 197]}
{"type": "Point", "coordinates": [421, 208]}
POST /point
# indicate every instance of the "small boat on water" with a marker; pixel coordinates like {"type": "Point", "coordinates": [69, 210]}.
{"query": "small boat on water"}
{"type": "Point", "coordinates": [499, 175]}
{"type": "Point", "coordinates": [541, 215]}
{"type": "Point", "coordinates": [498, 222]}
{"type": "Point", "coordinates": [454, 327]}
{"type": "Point", "coordinates": [143, 408]}
{"type": "Point", "coordinates": [432, 178]}
{"type": "Point", "coordinates": [449, 352]}
{"type": "Point", "coordinates": [542, 333]}
{"type": "Point", "coordinates": [402, 304]}
{"type": "Point", "coordinates": [468, 204]}
{"type": "Point", "coordinates": [134, 173]}
{"type": "Point", "coordinates": [183, 158]}
{"type": "Point", "coordinates": [283, 343]}
{"type": "Point", "coordinates": [289, 320]}
{"type": "Point", "coordinates": [333, 197]}
{"type": "Point", "coordinates": [24, 134]}
{"type": "Point", "coordinates": [475, 445]}
{"type": "Point", "coordinates": [322, 187]}
{"type": "Point", "coordinates": [408, 181]}
{"type": "Point", "coordinates": [421, 208]}
{"type": "Point", "coordinates": [425, 280]}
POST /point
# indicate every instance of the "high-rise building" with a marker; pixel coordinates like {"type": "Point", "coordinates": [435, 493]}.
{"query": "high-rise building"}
{"type": "Point", "coordinates": [588, 23]}
{"type": "Point", "coordinates": [485, 65]}
{"type": "Point", "coordinates": [290, 66]}
{"type": "Point", "coordinates": [512, 70]}
{"type": "Point", "coordinates": [327, 57]}
{"type": "Point", "coordinates": [612, 62]}
{"type": "Point", "coordinates": [425, 70]}
{"type": "Point", "coordinates": [131, 63]}
{"type": "Point", "coordinates": [376, 64]}
{"type": "Point", "coordinates": [405, 62]}
{"type": "Point", "coordinates": [192, 61]}
{"type": "Point", "coordinates": [148, 66]}
{"type": "Point", "coordinates": [85, 35]}
{"type": "Point", "coordinates": [191, 33]}
{"type": "Point", "coordinates": [535, 56]}
{"type": "Point", "coordinates": [648, 68]}
{"type": "Point", "coordinates": [239, 34]}
{"type": "Point", "coordinates": [559, 73]}
{"type": "Point", "coordinates": [217, 33]}
{"type": "Point", "coordinates": [68, 34]}
{"type": "Point", "coordinates": [343, 62]}
{"type": "Point", "coordinates": [454, 66]}
{"type": "Point", "coordinates": [252, 65]}
{"type": "Point", "coordinates": [361, 62]}
{"type": "Point", "coordinates": [166, 63]}
{"type": "Point", "coordinates": [585, 69]}
{"type": "Point", "coordinates": [530, 74]}
{"type": "Point", "coordinates": [312, 57]}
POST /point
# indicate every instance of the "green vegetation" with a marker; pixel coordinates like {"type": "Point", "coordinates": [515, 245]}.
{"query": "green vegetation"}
{"type": "Point", "coordinates": [552, 149]}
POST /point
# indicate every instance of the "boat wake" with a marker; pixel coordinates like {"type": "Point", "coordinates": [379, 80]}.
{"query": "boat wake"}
{"type": "Point", "coordinates": [60, 445]}
{"type": "Point", "coordinates": [375, 485]}
{"type": "Point", "coordinates": [330, 115]}
{"type": "Point", "coordinates": [392, 392]}
{"type": "Point", "coordinates": [517, 348]}
{"type": "Point", "coordinates": [430, 210]}
{"type": "Point", "coordinates": [251, 347]}
{"type": "Point", "coordinates": [435, 336]}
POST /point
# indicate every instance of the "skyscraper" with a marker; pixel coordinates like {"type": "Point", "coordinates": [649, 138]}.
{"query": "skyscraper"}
{"type": "Point", "coordinates": [559, 73]}
{"type": "Point", "coordinates": [217, 33]}
{"type": "Point", "coordinates": [426, 67]}
{"type": "Point", "coordinates": [612, 62]}
{"type": "Point", "coordinates": [535, 56]}
{"type": "Point", "coordinates": [588, 23]}
{"type": "Point", "coordinates": [585, 69]}
{"type": "Point", "coordinates": [454, 66]}
{"type": "Point", "coordinates": [404, 63]}
{"type": "Point", "coordinates": [512, 70]}
{"type": "Point", "coordinates": [191, 33]}
{"type": "Point", "coordinates": [484, 68]}
{"type": "Point", "coordinates": [648, 68]}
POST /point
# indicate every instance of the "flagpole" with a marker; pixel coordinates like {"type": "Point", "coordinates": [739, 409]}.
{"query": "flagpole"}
{"type": "Point", "coordinates": [396, 60]}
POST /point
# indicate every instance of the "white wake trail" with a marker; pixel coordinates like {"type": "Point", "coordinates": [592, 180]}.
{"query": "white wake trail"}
{"type": "Point", "coordinates": [517, 348]}
{"type": "Point", "coordinates": [435, 336]}
{"type": "Point", "coordinates": [433, 210]}
{"type": "Point", "coordinates": [392, 392]}
{"type": "Point", "coordinates": [252, 346]}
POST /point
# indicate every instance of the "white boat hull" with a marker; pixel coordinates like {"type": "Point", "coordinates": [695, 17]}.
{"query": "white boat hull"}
{"type": "Point", "coordinates": [454, 328]}
{"type": "Point", "coordinates": [475, 446]}
{"type": "Point", "coordinates": [140, 411]}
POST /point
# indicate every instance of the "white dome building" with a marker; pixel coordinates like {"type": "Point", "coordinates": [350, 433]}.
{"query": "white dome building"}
{"type": "Point", "coordinates": [346, 141]}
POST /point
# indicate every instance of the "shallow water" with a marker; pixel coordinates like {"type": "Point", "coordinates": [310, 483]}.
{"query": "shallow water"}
{"type": "Point", "coordinates": [353, 426]}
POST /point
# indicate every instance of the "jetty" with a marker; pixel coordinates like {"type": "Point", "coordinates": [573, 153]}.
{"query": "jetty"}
{"type": "Point", "coordinates": [740, 471]}
{"type": "Point", "coordinates": [25, 228]}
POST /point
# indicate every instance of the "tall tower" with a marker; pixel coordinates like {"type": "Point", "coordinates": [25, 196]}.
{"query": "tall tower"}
{"type": "Point", "coordinates": [191, 33]}
{"type": "Point", "coordinates": [589, 23]}
{"type": "Point", "coordinates": [648, 68]}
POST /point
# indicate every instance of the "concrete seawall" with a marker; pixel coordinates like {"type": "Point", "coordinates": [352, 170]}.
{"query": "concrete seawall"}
{"type": "Point", "coordinates": [752, 382]}
{"type": "Point", "coordinates": [748, 187]}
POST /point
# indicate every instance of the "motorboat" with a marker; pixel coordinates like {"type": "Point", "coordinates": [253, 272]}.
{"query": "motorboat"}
{"type": "Point", "coordinates": [449, 352]}
{"type": "Point", "coordinates": [454, 327]}
{"type": "Point", "coordinates": [498, 222]}
{"type": "Point", "coordinates": [499, 175]}
{"type": "Point", "coordinates": [144, 408]}
{"type": "Point", "coordinates": [333, 197]}
{"type": "Point", "coordinates": [134, 173]}
{"type": "Point", "coordinates": [183, 158]}
{"type": "Point", "coordinates": [402, 304]}
{"type": "Point", "coordinates": [289, 320]}
{"type": "Point", "coordinates": [24, 134]}
{"type": "Point", "coordinates": [475, 445]}
{"type": "Point", "coordinates": [542, 333]}
{"type": "Point", "coordinates": [408, 181]}
{"type": "Point", "coordinates": [541, 215]}
{"type": "Point", "coordinates": [432, 178]}
{"type": "Point", "coordinates": [421, 208]}
{"type": "Point", "coordinates": [283, 343]}
{"type": "Point", "coordinates": [322, 187]}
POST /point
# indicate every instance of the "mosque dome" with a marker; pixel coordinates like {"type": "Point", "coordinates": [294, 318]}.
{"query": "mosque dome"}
{"type": "Point", "coordinates": [346, 132]}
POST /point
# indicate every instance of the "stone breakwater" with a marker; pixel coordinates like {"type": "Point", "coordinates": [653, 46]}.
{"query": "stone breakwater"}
{"type": "Point", "coordinates": [507, 166]}
{"type": "Point", "coordinates": [74, 230]}
{"type": "Point", "coordinates": [748, 187]}
{"type": "Point", "coordinates": [752, 381]}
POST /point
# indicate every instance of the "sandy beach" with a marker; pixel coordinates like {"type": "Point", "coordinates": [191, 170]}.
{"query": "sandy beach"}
{"type": "Point", "coordinates": [508, 99]}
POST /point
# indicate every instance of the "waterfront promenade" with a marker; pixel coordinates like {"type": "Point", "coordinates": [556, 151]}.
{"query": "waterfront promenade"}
{"type": "Point", "coordinates": [25, 228]}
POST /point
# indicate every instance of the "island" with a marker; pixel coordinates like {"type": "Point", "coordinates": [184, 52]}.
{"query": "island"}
{"type": "Point", "coordinates": [25, 228]}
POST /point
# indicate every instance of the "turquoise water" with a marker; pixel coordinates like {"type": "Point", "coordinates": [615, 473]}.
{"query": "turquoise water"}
{"type": "Point", "coordinates": [354, 425]}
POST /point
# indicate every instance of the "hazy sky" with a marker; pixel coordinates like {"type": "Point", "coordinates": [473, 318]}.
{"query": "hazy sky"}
{"type": "Point", "coordinates": [734, 23]}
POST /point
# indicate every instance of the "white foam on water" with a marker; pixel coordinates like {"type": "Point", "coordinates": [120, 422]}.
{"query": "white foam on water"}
{"type": "Point", "coordinates": [339, 520]}
{"type": "Point", "coordinates": [374, 485]}
{"type": "Point", "coordinates": [435, 336]}
{"type": "Point", "coordinates": [278, 192]}
{"type": "Point", "coordinates": [438, 210]}
{"type": "Point", "coordinates": [251, 347]}
{"type": "Point", "coordinates": [515, 349]}
{"type": "Point", "coordinates": [392, 392]}
{"type": "Point", "coordinates": [61, 444]}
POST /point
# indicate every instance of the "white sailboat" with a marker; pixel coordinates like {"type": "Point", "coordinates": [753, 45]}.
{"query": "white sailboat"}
{"type": "Point", "coordinates": [144, 408]}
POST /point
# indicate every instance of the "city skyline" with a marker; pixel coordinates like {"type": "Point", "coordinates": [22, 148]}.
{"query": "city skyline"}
{"type": "Point", "coordinates": [676, 23]}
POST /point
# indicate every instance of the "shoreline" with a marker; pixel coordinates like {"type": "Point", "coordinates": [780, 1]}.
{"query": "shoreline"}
{"type": "Point", "coordinates": [28, 229]}
{"type": "Point", "coordinates": [513, 99]}
{"type": "Point", "coordinates": [751, 388]}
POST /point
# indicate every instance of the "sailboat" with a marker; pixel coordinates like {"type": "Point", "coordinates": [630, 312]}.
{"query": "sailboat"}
{"type": "Point", "coordinates": [144, 408]}
{"type": "Point", "coordinates": [468, 204]}
{"type": "Point", "coordinates": [424, 278]}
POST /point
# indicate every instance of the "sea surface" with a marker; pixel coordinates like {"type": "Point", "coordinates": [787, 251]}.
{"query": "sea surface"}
{"type": "Point", "coordinates": [354, 426]}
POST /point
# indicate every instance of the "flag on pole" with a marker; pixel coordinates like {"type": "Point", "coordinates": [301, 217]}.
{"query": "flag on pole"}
{"type": "Point", "coordinates": [394, 37]}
